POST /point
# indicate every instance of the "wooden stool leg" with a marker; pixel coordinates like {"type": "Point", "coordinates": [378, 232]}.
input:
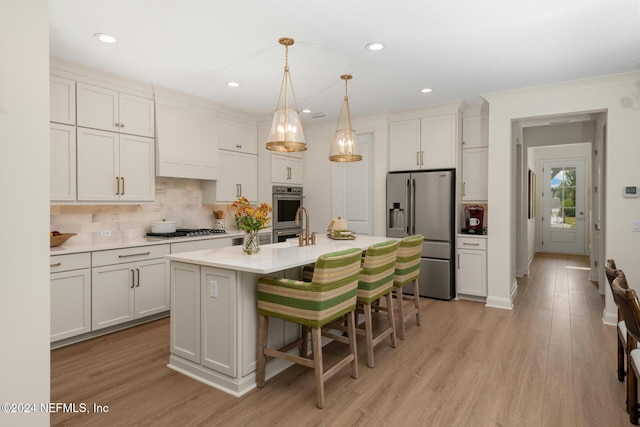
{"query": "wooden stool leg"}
{"type": "Point", "coordinates": [621, 352]}
{"type": "Point", "coordinates": [304, 346]}
{"type": "Point", "coordinates": [392, 320]}
{"type": "Point", "coordinates": [317, 364]}
{"type": "Point", "coordinates": [368, 333]}
{"type": "Point", "coordinates": [353, 348]}
{"type": "Point", "coordinates": [402, 331]}
{"type": "Point", "coordinates": [263, 325]}
{"type": "Point", "coordinates": [632, 393]}
{"type": "Point", "coordinates": [416, 300]}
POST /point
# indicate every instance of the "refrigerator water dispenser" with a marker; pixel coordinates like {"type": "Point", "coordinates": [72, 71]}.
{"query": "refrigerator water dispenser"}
{"type": "Point", "coordinates": [396, 216]}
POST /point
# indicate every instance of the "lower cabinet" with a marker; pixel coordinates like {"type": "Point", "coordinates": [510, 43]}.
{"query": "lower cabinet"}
{"type": "Point", "coordinates": [70, 295]}
{"type": "Point", "coordinates": [129, 284]}
{"type": "Point", "coordinates": [472, 266]}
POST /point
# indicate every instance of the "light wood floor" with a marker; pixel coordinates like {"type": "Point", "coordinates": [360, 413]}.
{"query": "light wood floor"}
{"type": "Point", "coordinates": [548, 362]}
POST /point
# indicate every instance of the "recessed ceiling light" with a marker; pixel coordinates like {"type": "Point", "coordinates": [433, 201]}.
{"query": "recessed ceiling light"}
{"type": "Point", "coordinates": [426, 90]}
{"type": "Point", "coordinates": [233, 84]}
{"type": "Point", "coordinates": [375, 46]}
{"type": "Point", "coordinates": [105, 38]}
{"type": "Point", "coordinates": [306, 111]}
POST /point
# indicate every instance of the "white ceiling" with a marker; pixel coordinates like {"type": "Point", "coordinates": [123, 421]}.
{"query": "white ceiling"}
{"type": "Point", "coordinates": [461, 49]}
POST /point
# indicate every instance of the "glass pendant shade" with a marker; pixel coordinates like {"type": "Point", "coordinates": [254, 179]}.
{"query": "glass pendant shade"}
{"type": "Point", "coordinates": [344, 146]}
{"type": "Point", "coordinates": [286, 132]}
{"type": "Point", "coordinates": [286, 129]}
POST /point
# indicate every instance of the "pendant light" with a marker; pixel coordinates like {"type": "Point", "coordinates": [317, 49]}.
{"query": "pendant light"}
{"type": "Point", "coordinates": [344, 146]}
{"type": "Point", "coordinates": [286, 129]}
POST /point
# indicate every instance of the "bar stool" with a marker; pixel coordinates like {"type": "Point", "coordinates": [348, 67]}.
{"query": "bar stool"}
{"type": "Point", "coordinates": [611, 271]}
{"type": "Point", "coordinates": [331, 294]}
{"type": "Point", "coordinates": [376, 282]}
{"type": "Point", "coordinates": [407, 270]}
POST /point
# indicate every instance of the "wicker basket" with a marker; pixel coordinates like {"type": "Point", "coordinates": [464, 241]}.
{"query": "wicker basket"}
{"type": "Point", "coordinates": [59, 239]}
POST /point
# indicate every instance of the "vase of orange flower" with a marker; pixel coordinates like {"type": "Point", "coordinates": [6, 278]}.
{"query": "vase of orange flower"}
{"type": "Point", "coordinates": [251, 220]}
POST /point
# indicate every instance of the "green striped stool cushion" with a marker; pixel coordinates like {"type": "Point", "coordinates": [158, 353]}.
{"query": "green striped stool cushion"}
{"type": "Point", "coordinates": [330, 294]}
{"type": "Point", "coordinates": [376, 277]}
{"type": "Point", "coordinates": [408, 260]}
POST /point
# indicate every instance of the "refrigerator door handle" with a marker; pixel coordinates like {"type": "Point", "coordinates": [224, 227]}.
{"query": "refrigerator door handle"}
{"type": "Point", "coordinates": [413, 207]}
{"type": "Point", "coordinates": [409, 204]}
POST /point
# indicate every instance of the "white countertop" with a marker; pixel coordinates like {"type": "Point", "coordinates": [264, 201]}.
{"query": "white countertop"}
{"type": "Point", "coordinates": [274, 257]}
{"type": "Point", "coordinates": [71, 247]}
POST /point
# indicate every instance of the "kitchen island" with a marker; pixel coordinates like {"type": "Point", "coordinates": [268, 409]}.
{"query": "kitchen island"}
{"type": "Point", "coordinates": [214, 318]}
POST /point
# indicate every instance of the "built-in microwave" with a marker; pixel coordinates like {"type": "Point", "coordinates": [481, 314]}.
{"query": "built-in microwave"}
{"type": "Point", "coordinates": [286, 201]}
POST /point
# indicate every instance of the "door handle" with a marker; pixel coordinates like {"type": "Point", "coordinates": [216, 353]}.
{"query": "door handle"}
{"type": "Point", "coordinates": [421, 158]}
{"type": "Point", "coordinates": [122, 185]}
{"type": "Point", "coordinates": [596, 226]}
{"type": "Point", "coordinates": [240, 189]}
{"type": "Point", "coordinates": [138, 271]}
{"type": "Point", "coordinates": [117, 185]}
{"type": "Point", "coordinates": [133, 278]}
{"type": "Point", "coordinates": [464, 184]}
{"type": "Point", "coordinates": [458, 261]}
{"type": "Point", "coordinates": [417, 158]}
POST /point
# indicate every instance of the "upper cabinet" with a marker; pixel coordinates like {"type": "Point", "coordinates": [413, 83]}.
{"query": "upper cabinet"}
{"type": "Point", "coordinates": [475, 150]}
{"type": "Point", "coordinates": [238, 137]}
{"type": "Point", "coordinates": [428, 142]}
{"type": "Point", "coordinates": [286, 169]}
{"type": "Point", "coordinates": [62, 96]}
{"type": "Point", "coordinates": [63, 162]}
{"type": "Point", "coordinates": [107, 109]}
{"type": "Point", "coordinates": [113, 167]}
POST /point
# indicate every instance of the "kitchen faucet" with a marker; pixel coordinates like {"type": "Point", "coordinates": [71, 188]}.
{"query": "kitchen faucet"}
{"type": "Point", "coordinates": [305, 241]}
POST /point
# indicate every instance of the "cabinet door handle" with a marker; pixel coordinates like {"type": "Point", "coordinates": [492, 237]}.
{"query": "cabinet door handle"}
{"type": "Point", "coordinates": [470, 244]}
{"type": "Point", "coordinates": [133, 278]}
{"type": "Point", "coordinates": [121, 125]}
{"type": "Point", "coordinates": [117, 125]}
{"type": "Point", "coordinates": [238, 146]}
{"type": "Point", "coordinates": [117, 185]}
{"type": "Point", "coordinates": [57, 264]}
{"type": "Point", "coordinates": [421, 158]}
{"type": "Point", "coordinates": [240, 194]}
{"type": "Point", "coordinates": [122, 178]}
{"type": "Point", "coordinates": [130, 255]}
{"type": "Point", "coordinates": [464, 184]}
{"type": "Point", "coordinates": [138, 271]}
{"type": "Point", "coordinates": [417, 158]}
{"type": "Point", "coordinates": [458, 261]}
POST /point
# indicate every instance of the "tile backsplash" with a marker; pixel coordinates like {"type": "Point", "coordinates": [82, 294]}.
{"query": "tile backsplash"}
{"type": "Point", "coordinates": [176, 199]}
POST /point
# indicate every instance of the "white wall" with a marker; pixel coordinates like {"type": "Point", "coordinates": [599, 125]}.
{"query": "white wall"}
{"type": "Point", "coordinates": [619, 96]}
{"type": "Point", "coordinates": [24, 184]}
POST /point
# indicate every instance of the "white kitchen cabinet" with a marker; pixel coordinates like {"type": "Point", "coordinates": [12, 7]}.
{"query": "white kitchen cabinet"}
{"type": "Point", "coordinates": [472, 266]}
{"type": "Point", "coordinates": [129, 284]}
{"type": "Point", "coordinates": [107, 109]}
{"type": "Point", "coordinates": [198, 245]}
{"type": "Point", "coordinates": [233, 136]}
{"type": "Point", "coordinates": [114, 167]}
{"type": "Point", "coordinates": [70, 295]}
{"type": "Point", "coordinates": [62, 100]}
{"type": "Point", "coordinates": [424, 143]}
{"type": "Point", "coordinates": [286, 169]}
{"type": "Point", "coordinates": [185, 311]}
{"type": "Point", "coordinates": [63, 162]}
{"type": "Point", "coordinates": [238, 177]}
{"type": "Point", "coordinates": [187, 144]}
{"type": "Point", "coordinates": [475, 159]}
{"type": "Point", "coordinates": [475, 172]}
{"type": "Point", "coordinates": [218, 317]}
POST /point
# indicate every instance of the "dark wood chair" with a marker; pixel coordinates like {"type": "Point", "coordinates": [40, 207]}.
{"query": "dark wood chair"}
{"type": "Point", "coordinates": [630, 309]}
{"type": "Point", "coordinates": [612, 272]}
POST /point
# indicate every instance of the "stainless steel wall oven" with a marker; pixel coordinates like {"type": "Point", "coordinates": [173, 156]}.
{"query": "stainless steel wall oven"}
{"type": "Point", "coordinates": [286, 201]}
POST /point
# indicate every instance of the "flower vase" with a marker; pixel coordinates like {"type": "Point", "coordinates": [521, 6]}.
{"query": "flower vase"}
{"type": "Point", "coordinates": [251, 244]}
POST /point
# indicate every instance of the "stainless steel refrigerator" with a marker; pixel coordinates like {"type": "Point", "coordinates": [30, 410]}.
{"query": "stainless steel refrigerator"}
{"type": "Point", "coordinates": [423, 203]}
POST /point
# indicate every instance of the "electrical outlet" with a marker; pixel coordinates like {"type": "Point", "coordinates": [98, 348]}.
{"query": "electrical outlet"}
{"type": "Point", "coordinates": [105, 233]}
{"type": "Point", "coordinates": [635, 225]}
{"type": "Point", "coordinates": [213, 289]}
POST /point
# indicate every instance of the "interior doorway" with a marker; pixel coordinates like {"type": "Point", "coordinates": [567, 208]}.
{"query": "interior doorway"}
{"type": "Point", "coordinates": [563, 201]}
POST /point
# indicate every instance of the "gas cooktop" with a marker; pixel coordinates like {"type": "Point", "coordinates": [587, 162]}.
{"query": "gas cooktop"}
{"type": "Point", "coordinates": [187, 232]}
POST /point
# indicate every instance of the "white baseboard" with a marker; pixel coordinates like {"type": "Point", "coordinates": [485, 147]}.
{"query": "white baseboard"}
{"type": "Point", "coordinates": [609, 318]}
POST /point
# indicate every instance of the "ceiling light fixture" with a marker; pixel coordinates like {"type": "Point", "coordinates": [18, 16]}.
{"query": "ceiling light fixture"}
{"type": "Point", "coordinates": [233, 84]}
{"type": "Point", "coordinates": [306, 111]}
{"type": "Point", "coordinates": [374, 47]}
{"type": "Point", "coordinates": [426, 90]}
{"type": "Point", "coordinates": [105, 38]}
{"type": "Point", "coordinates": [344, 146]}
{"type": "Point", "coordinates": [286, 129]}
